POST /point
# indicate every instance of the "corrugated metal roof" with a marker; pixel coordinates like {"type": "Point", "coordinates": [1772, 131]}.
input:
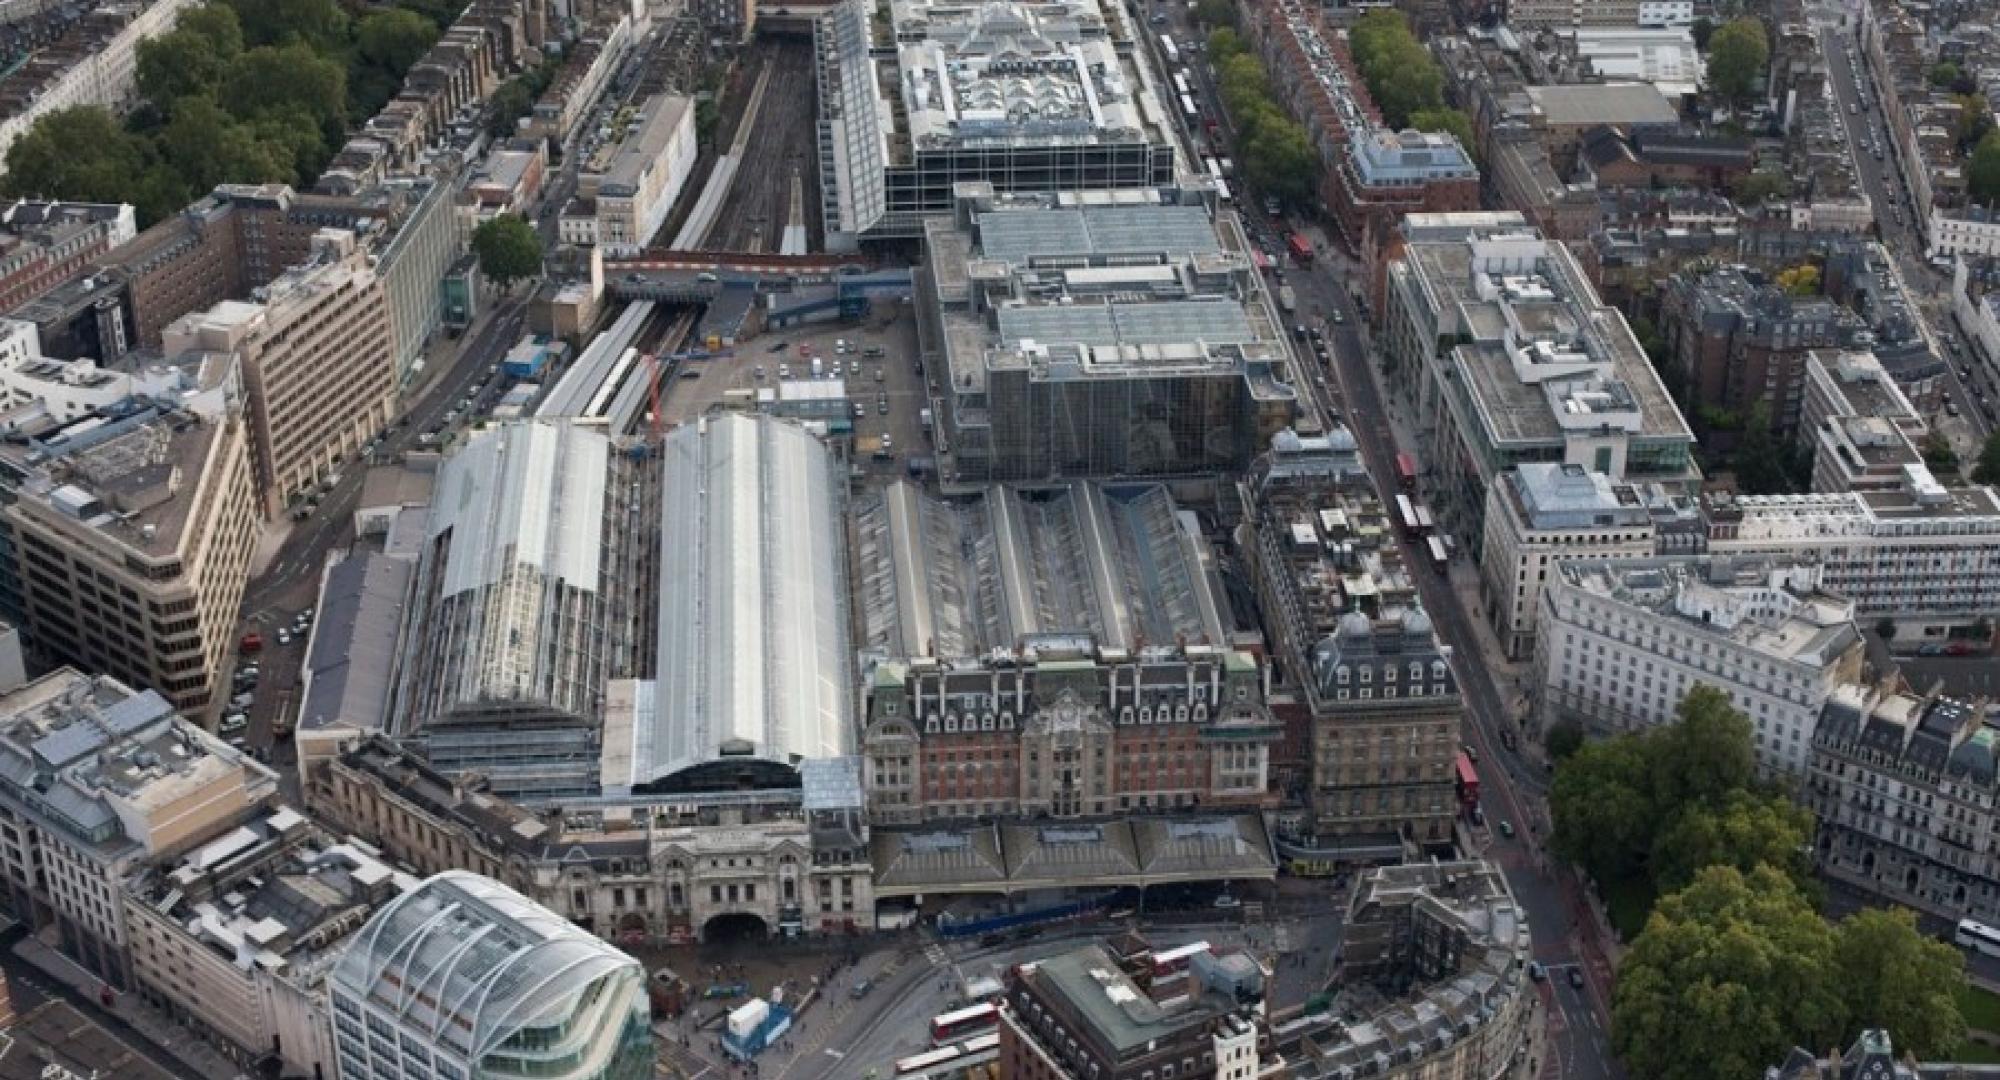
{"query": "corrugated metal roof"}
{"type": "Point", "coordinates": [753, 642]}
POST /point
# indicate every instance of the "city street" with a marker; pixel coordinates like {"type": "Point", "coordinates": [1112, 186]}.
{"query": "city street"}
{"type": "Point", "coordinates": [1564, 933]}
{"type": "Point", "coordinates": [1901, 236]}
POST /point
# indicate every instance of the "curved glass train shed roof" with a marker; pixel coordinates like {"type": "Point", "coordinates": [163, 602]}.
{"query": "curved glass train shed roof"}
{"type": "Point", "coordinates": [754, 676]}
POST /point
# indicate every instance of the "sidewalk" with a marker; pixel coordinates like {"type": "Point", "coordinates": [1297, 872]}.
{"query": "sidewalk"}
{"type": "Point", "coordinates": [185, 1046]}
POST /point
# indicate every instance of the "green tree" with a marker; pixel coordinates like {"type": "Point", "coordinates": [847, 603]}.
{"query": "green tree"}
{"type": "Point", "coordinates": [178, 64]}
{"type": "Point", "coordinates": [206, 147]}
{"type": "Point", "coordinates": [1974, 120]}
{"type": "Point", "coordinates": [1754, 188]}
{"type": "Point", "coordinates": [1279, 160]}
{"type": "Point", "coordinates": [1737, 55]}
{"type": "Point", "coordinates": [1743, 830]}
{"type": "Point", "coordinates": [217, 24]}
{"type": "Point", "coordinates": [508, 249]}
{"type": "Point", "coordinates": [1890, 975]}
{"type": "Point", "coordinates": [1399, 71]}
{"type": "Point", "coordinates": [1564, 740]}
{"type": "Point", "coordinates": [79, 153]}
{"type": "Point", "coordinates": [1706, 753]}
{"type": "Point", "coordinates": [1215, 12]}
{"type": "Point", "coordinates": [1603, 808]}
{"type": "Point", "coordinates": [393, 39]}
{"type": "Point", "coordinates": [1735, 964]}
{"type": "Point", "coordinates": [1944, 74]}
{"type": "Point", "coordinates": [1759, 460]}
{"type": "Point", "coordinates": [1450, 121]}
{"type": "Point", "coordinates": [1223, 44]}
{"type": "Point", "coordinates": [1987, 470]}
{"type": "Point", "coordinates": [319, 24]}
{"type": "Point", "coordinates": [289, 81]}
{"type": "Point", "coordinates": [507, 105]}
{"type": "Point", "coordinates": [1800, 280]}
{"type": "Point", "coordinates": [1703, 30]}
{"type": "Point", "coordinates": [1982, 172]}
{"type": "Point", "coordinates": [1937, 452]}
{"type": "Point", "coordinates": [1885, 628]}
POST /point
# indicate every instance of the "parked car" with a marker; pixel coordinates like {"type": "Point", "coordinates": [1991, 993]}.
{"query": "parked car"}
{"type": "Point", "coordinates": [1536, 971]}
{"type": "Point", "coordinates": [1576, 977]}
{"type": "Point", "coordinates": [251, 644]}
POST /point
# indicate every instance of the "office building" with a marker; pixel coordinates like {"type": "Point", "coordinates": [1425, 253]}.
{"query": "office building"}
{"type": "Point", "coordinates": [1050, 652]}
{"type": "Point", "coordinates": [462, 978]}
{"type": "Point", "coordinates": [1025, 97]}
{"type": "Point", "coordinates": [1370, 174]}
{"type": "Point", "coordinates": [1079, 1013]}
{"type": "Point", "coordinates": [131, 535]}
{"type": "Point", "coordinates": [1925, 556]}
{"type": "Point", "coordinates": [642, 176]}
{"type": "Point", "coordinates": [1510, 357]}
{"type": "Point", "coordinates": [317, 350]}
{"type": "Point", "coordinates": [96, 780]}
{"type": "Point", "coordinates": [662, 871]}
{"type": "Point", "coordinates": [1903, 787]}
{"type": "Point", "coordinates": [509, 623]}
{"type": "Point", "coordinates": [1435, 982]}
{"type": "Point", "coordinates": [43, 243]}
{"type": "Point", "coordinates": [1621, 643]}
{"type": "Point", "coordinates": [1862, 430]}
{"type": "Point", "coordinates": [1100, 333]}
{"type": "Point", "coordinates": [1539, 514]}
{"type": "Point", "coordinates": [235, 938]}
{"type": "Point", "coordinates": [1739, 343]}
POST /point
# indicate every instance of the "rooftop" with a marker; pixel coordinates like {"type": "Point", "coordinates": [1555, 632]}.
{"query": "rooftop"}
{"type": "Point", "coordinates": [57, 1034]}
{"type": "Point", "coordinates": [1541, 358]}
{"type": "Point", "coordinates": [132, 473]}
{"type": "Point", "coordinates": [101, 758]}
{"type": "Point", "coordinates": [1776, 610]}
{"type": "Point", "coordinates": [493, 962]}
{"type": "Point", "coordinates": [1112, 1006]}
{"type": "Point", "coordinates": [1585, 104]}
{"type": "Point", "coordinates": [351, 668]}
{"type": "Point", "coordinates": [1046, 72]}
{"type": "Point", "coordinates": [1027, 855]}
{"type": "Point", "coordinates": [754, 656]}
{"type": "Point", "coordinates": [960, 578]}
{"type": "Point", "coordinates": [1103, 285]}
{"type": "Point", "coordinates": [643, 146]}
{"type": "Point", "coordinates": [274, 893]}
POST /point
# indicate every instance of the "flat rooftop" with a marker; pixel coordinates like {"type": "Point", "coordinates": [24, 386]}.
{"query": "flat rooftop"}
{"type": "Point", "coordinates": [984, 75]}
{"type": "Point", "coordinates": [133, 473]}
{"type": "Point", "coordinates": [1546, 355]}
{"type": "Point", "coordinates": [269, 892]}
{"type": "Point", "coordinates": [1771, 608]}
{"type": "Point", "coordinates": [1617, 104]}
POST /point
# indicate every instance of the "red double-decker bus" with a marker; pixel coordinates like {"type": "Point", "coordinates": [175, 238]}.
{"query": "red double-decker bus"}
{"type": "Point", "coordinates": [1468, 783]}
{"type": "Point", "coordinates": [1406, 471]}
{"type": "Point", "coordinates": [1301, 248]}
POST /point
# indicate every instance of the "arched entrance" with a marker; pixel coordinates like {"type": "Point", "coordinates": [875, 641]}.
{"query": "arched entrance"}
{"type": "Point", "coordinates": [632, 929]}
{"type": "Point", "coordinates": [732, 926]}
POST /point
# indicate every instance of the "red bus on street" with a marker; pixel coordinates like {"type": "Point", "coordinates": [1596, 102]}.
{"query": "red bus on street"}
{"type": "Point", "coordinates": [1301, 248]}
{"type": "Point", "coordinates": [1468, 783]}
{"type": "Point", "coordinates": [973, 1020]}
{"type": "Point", "coordinates": [1406, 471]}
